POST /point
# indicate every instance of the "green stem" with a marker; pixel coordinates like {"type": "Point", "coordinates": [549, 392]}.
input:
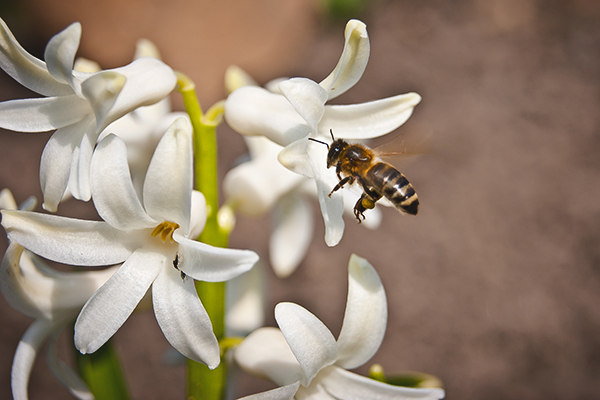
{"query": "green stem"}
{"type": "Point", "coordinates": [102, 373]}
{"type": "Point", "coordinates": [203, 383]}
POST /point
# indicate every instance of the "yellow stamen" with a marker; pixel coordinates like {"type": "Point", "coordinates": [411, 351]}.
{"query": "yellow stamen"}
{"type": "Point", "coordinates": [165, 230]}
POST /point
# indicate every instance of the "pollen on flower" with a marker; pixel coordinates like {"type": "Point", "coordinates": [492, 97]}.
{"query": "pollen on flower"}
{"type": "Point", "coordinates": [165, 230]}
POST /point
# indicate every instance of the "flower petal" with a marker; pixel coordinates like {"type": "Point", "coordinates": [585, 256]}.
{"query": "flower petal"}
{"type": "Point", "coordinates": [111, 305]}
{"type": "Point", "coordinates": [315, 391]}
{"type": "Point", "coordinates": [296, 157]}
{"type": "Point", "coordinates": [245, 302]}
{"type": "Point", "coordinates": [332, 209]}
{"type": "Point", "coordinates": [281, 393]}
{"type": "Point", "coordinates": [365, 318]}
{"type": "Point", "coordinates": [25, 68]}
{"type": "Point", "coordinates": [25, 355]}
{"type": "Point", "coordinates": [212, 264]}
{"type": "Point", "coordinates": [352, 62]}
{"type": "Point", "coordinates": [368, 120]}
{"type": "Point", "coordinates": [149, 80]}
{"type": "Point", "coordinates": [254, 111]}
{"type": "Point", "coordinates": [168, 184]}
{"type": "Point", "coordinates": [7, 200]}
{"type": "Point", "coordinates": [146, 48]}
{"type": "Point", "coordinates": [42, 114]}
{"type": "Point", "coordinates": [115, 198]}
{"type": "Point", "coordinates": [235, 78]}
{"type": "Point", "coordinates": [60, 53]}
{"type": "Point", "coordinates": [84, 65]}
{"type": "Point", "coordinates": [342, 384]}
{"type": "Point", "coordinates": [311, 341]}
{"type": "Point", "coordinates": [308, 158]}
{"type": "Point", "coordinates": [68, 240]}
{"type": "Point", "coordinates": [292, 234]}
{"type": "Point", "coordinates": [198, 214]}
{"type": "Point", "coordinates": [44, 293]}
{"type": "Point", "coordinates": [307, 97]}
{"type": "Point", "coordinates": [266, 354]}
{"type": "Point", "coordinates": [244, 185]}
{"type": "Point", "coordinates": [64, 373]}
{"type": "Point", "coordinates": [182, 317]}
{"type": "Point", "coordinates": [141, 130]}
{"type": "Point", "coordinates": [55, 166]}
{"type": "Point", "coordinates": [79, 177]}
{"type": "Point", "coordinates": [101, 91]}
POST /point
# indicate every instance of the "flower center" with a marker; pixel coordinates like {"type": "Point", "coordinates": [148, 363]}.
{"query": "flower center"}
{"type": "Point", "coordinates": [165, 230]}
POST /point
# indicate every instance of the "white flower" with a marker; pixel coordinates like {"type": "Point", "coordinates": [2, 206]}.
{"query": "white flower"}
{"type": "Point", "coordinates": [263, 184]}
{"type": "Point", "coordinates": [142, 128]}
{"type": "Point", "coordinates": [151, 238]}
{"type": "Point", "coordinates": [308, 363]}
{"type": "Point", "coordinates": [245, 302]}
{"type": "Point", "coordinates": [53, 299]}
{"type": "Point", "coordinates": [298, 112]}
{"type": "Point", "coordinates": [79, 105]}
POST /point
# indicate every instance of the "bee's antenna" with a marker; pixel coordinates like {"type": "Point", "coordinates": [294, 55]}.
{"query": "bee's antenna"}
{"type": "Point", "coordinates": [318, 141]}
{"type": "Point", "coordinates": [331, 131]}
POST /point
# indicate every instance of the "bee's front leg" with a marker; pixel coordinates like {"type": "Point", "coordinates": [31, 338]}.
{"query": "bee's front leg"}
{"type": "Point", "coordinates": [341, 184]}
{"type": "Point", "coordinates": [338, 170]}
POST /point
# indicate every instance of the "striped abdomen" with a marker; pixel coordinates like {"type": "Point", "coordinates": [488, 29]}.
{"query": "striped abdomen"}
{"type": "Point", "coordinates": [394, 186]}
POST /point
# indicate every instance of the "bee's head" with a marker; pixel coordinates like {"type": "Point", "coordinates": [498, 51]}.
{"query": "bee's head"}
{"type": "Point", "coordinates": [335, 149]}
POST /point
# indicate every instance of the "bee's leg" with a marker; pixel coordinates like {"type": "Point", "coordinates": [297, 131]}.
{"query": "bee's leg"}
{"type": "Point", "coordinates": [366, 202]}
{"type": "Point", "coordinates": [341, 184]}
{"type": "Point", "coordinates": [363, 204]}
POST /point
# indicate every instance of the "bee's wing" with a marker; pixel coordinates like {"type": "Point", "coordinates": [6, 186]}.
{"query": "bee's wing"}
{"type": "Point", "coordinates": [407, 144]}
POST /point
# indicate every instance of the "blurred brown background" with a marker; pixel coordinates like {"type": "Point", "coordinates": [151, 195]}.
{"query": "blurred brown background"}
{"type": "Point", "coordinates": [495, 286]}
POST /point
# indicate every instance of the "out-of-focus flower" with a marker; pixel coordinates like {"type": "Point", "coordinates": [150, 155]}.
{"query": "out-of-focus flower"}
{"type": "Point", "coordinates": [307, 362]}
{"type": "Point", "coordinates": [152, 239]}
{"type": "Point", "coordinates": [298, 111]}
{"type": "Point", "coordinates": [79, 105]}
{"type": "Point", "coordinates": [263, 184]}
{"type": "Point", "coordinates": [53, 298]}
{"type": "Point", "coordinates": [245, 302]}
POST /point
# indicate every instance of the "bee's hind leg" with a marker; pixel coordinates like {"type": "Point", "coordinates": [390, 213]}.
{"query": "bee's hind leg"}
{"type": "Point", "coordinates": [363, 204]}
{"type": "Point", "coordinates": [366, 202]}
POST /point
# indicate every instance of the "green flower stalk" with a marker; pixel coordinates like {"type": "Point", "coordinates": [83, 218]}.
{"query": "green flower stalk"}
{"type": "Point", "coordinates": [202, 382]}
{"type": "Point", "coordinates": [102, 373]}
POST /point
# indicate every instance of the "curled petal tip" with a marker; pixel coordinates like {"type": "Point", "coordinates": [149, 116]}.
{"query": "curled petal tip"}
{"type": "Point", "coordinates": [356, 25]}
{"type": "Point", "coordinates": [415, 98]}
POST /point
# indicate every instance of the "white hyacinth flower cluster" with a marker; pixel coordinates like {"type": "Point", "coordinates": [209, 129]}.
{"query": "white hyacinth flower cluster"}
{"type": "Point", "coordinates": [117, 143]}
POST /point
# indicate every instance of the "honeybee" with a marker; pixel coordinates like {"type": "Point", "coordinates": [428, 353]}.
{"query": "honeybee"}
{"type": "Point", "coordinates": [357, 162]}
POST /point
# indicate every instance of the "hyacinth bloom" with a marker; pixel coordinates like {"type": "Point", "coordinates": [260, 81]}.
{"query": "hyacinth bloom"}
{"type": "Point", "coordinates": [79, 105]}
{"type": "Point", "coordinates": [263, 184]}
{"type": "Point", "coordinates": [153, 238]}
{"type": "Point", "coordinates": [52, 298]}
{"type": "Point", "coordinates": [298, 110]}
{"type": "Point", "coordinates": [142, 128]}
{"type": "Point", "coordinates": [307, 362]}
